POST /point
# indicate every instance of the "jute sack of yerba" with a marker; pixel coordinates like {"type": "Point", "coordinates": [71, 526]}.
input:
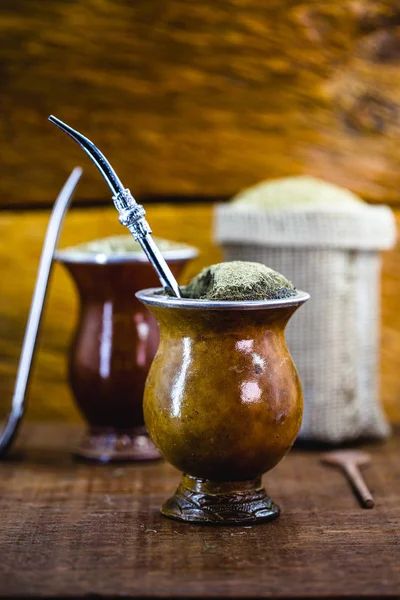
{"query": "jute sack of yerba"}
{"type": "Point", "coordinates": [327, 241]}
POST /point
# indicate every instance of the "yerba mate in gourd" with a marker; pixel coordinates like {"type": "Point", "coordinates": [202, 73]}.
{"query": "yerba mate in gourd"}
{"type": "Point", "coordinates": [223, 400]}
{"type": "Point", "coordinates": [239, 280]}
{"type": "Point", "coordinates": [115, 341]}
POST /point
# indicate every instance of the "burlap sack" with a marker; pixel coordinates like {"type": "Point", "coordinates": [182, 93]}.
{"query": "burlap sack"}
{"type": "Point", "coordinates": [334, 338]}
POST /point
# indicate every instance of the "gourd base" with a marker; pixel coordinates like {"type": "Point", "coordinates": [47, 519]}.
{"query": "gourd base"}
{"type": "Point", "coordinates": [111, 445]}
{"type": "Point", "coordinates": [220, 503]}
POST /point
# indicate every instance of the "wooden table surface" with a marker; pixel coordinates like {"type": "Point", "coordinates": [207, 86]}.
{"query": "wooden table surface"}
{"type": "Point", "coordinates": [74, 529]}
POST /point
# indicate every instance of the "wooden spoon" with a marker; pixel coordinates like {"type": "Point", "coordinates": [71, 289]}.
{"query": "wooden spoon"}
{"type": "Point", "coordinates": [349, 462]}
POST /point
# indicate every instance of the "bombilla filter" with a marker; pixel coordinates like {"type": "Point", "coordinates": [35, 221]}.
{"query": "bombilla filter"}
{"type": "Point", "coordinates": [131, 214]}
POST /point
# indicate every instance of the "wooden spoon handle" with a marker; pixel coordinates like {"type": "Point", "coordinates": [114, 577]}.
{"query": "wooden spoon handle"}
{"type": "Point", "coordinates": [358, 483]}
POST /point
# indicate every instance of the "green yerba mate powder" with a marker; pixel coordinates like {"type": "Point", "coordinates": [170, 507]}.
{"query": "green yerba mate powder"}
{"type": "Point", "coordinates": [120, 245]}
{"type": "Point", "coordinates": [301, 193]}
{"type": "Point", "coordinates": [239, 280]}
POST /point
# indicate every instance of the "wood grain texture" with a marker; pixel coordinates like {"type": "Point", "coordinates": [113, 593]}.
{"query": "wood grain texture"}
{"type": "Point", "coordinates": [73, 530]}
{"type": "Point", "coordinates": [21, 237]}
{"type": "Point", "coordinates": [190, 97]}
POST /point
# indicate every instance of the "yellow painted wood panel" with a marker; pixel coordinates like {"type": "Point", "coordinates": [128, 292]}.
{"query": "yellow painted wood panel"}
{"type": "Point", "coordinates": [21, 238]}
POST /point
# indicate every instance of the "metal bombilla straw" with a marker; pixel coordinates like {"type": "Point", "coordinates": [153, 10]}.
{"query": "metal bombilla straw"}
{"type": "Point", "coordinates": [18, 403]}
{"type": "Point", "coordinates": [131, 214]}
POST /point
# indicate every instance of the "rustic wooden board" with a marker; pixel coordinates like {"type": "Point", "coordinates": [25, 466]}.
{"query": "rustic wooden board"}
{"type": "Point", "coordinates": [71, 529]}
{"type": "Point", "coordinates": [200, 97]}
{"type": "Point", "coordinates": [21, 237]}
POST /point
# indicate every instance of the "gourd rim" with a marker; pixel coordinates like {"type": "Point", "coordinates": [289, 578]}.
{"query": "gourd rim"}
{"type": "Point", "coordinates": [102, 258]}
{"type": "Point", "coordinates": [155, 297]}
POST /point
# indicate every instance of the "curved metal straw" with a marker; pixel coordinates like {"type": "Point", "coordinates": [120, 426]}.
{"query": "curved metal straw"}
{"type": "Point", "coordinates": [131, 214]}
{"type": "Point", "coordinates": [36, 310]}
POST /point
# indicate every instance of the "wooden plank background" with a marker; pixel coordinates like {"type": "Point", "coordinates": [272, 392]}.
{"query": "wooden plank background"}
{"type": "Point", "coordinates": [197, 97]}
{"type": "Point", "coordinates": [21, 237]}
{"type": "Point", "coordinates": [189, 99]}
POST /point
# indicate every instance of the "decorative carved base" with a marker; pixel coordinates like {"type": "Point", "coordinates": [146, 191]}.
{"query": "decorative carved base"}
{"type": "Point", "coordinates": [220, 503]}
{"type": "Point", "coordinates": [109, 445]}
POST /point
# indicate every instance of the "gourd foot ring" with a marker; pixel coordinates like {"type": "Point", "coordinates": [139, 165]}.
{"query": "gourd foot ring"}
{"type": "Point", "coordinates": [220, 503]}
{"type": "Point", "coordinates": [106, 444]}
